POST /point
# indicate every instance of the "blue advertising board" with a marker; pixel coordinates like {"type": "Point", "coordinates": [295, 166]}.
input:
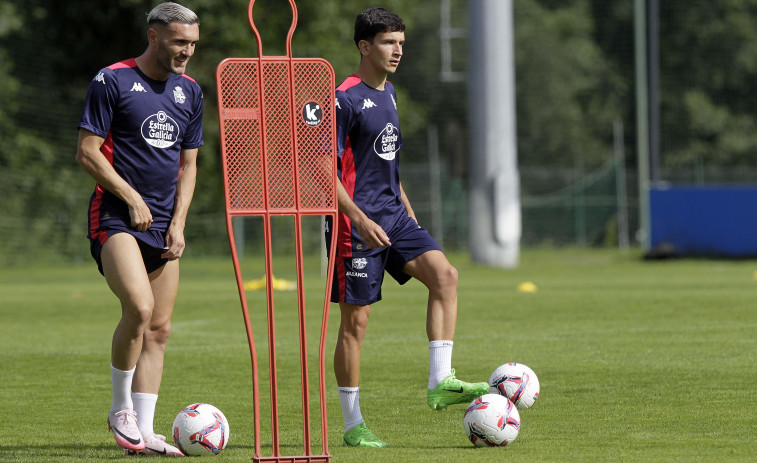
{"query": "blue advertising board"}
{"type": "Point", "coordinates": [704, 221]}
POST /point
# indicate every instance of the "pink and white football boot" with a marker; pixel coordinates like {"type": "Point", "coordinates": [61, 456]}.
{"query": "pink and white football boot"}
{"type": "Point", "coordinates": [156, 445]}
{"type": "Point", "coordinates": [123, 423]}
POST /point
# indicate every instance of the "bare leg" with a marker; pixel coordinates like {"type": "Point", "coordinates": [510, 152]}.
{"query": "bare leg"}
{"type": "Point", "coordinates": [126, 276]}
{"type": "Point", "coordinates": [164, 283]}
{"type": "Point", "coordinates": [349, 344]}
{"type": "Point", "coordinates": [440, 277]}
{"type": "Point", "coordinates": [347, 368]}
{"type": "Point", "coordinates": [434, 270]}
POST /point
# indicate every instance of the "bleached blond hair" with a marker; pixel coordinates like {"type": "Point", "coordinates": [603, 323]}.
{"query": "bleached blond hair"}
{"type": "Point", "coordinates": [170, 12]}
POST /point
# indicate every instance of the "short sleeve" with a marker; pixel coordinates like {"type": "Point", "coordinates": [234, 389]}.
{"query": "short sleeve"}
{"type": "Point", "coordinates": [193, 137]}
{"type": "Point", "coordinates": [102, 97]}
{"type": "Point", "coordinates": [344, 120]}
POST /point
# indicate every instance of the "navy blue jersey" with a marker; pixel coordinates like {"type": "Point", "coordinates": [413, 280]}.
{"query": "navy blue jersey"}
{"type": "Point", "coordinates": [145, 124]}
{"type": "Point", "coordinates": [368, 146]}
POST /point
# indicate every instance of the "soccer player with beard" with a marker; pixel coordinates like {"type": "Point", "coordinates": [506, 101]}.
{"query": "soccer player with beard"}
{"type": "Point", "coordinates": [139, 135]}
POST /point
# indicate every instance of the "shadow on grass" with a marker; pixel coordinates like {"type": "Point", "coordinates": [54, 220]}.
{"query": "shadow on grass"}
{"type": "Point", "coordinates": [54, 452]}
{"type": "Point", "coordinates": [82, 452]}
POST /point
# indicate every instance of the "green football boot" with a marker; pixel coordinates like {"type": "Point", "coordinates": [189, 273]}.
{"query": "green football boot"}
{"type": "Point", "coordinates": [361, 436]}
{"type": "Point", "coordinates": [453, 391]}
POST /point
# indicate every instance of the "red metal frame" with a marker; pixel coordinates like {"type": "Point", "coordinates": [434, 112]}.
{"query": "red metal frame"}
{"type": "Point", "coordinates": [277, 164]}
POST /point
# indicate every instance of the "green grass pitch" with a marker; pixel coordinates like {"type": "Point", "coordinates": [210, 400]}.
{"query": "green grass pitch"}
{"type": "Point", "coordinates": [638, 361]}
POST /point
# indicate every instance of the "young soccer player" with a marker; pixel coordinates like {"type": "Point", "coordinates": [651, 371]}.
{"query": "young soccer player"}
{"type": "Point", "coordinates": [138, 138]}
{"type": "Point", "coordinates": [377, 230]}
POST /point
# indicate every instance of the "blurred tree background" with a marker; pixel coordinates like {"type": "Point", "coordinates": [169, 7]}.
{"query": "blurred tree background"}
{"type": "Point", "coordinates": [574, 74]}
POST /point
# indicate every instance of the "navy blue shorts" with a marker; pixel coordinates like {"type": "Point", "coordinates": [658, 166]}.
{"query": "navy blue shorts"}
{"type": "Point", "coordinates": [358, 278]}
{"type": "Point", "coordinates": [152, 243]}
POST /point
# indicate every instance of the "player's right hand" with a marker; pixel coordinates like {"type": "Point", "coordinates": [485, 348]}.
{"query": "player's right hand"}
{"type": "Point", "coordinates": [372, 234]}
{"type": "Point", "coordinates": [141, 217]}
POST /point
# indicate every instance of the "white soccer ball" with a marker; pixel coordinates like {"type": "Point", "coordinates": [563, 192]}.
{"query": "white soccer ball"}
{"type": "Point", "coordinates": [517, 382]}
{"type": "Point", "coordinates": [200, 429]}
{"type": "Point", "coordinates": [491, 420]}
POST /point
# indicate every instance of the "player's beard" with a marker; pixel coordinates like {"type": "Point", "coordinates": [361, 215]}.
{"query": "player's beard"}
{"type": "Point", "coordinates": [168, 62]}
{"type": "Point", "coordinates": [178, 69]}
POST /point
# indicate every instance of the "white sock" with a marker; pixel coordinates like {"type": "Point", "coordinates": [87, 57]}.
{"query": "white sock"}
{"type": "Point", "coordinates": [144, 405]}
{"type": "Point", "coordinates": [349, 397]}
{"type": "Point", "coordinates": [440, 361]}
{"type": "Point", "coordinates": [121, 384]}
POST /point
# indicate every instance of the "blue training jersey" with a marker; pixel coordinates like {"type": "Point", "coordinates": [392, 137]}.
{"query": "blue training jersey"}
{"type": "Point", "coordinates": [368, 146]}
{"type": "Point", "coordinates": [145, 124]}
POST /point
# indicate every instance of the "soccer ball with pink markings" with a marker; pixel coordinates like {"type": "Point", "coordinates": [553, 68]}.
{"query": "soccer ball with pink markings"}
{"type": "Point", "coordinates": [200, 429]}
{"type": "Point", "coordinates": [491, 420]}
{"type": "Point", "coordinates": [517, 382]}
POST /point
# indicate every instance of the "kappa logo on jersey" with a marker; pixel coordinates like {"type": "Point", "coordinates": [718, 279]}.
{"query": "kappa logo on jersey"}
{"type": "Point", "coordinates": [100, 78]}
{"type": "Point", "coordinates": [386, 142]}
{"type": "Point", "coordinates": [160, 130]}
{"type": "Point", "coordinates": [137, 87]}
{"type": "Point", "coordinates": [367, 104]}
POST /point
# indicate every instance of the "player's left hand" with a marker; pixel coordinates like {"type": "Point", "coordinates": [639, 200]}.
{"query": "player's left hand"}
{"type": "Point", "coordinates": [175, 244]}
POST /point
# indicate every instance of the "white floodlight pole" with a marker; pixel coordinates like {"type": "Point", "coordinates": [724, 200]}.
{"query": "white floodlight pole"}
{"type": "Point", "coordinates": [642, 119]}
{"type": "Point", "coordinates": [495, 214]}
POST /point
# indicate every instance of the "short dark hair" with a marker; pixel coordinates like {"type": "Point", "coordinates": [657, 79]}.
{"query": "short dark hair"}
{"type": "Point", "coordinates": [374, 21]}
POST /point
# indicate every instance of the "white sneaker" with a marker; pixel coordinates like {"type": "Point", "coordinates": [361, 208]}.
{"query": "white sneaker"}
{"type": "Point", "coordinates": [156, 445]}
{"type": "Point", "coordinates": [123, 423]}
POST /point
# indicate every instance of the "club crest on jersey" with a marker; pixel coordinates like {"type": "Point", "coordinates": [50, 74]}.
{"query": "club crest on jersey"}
{"type": "Point", "coordinates": [160, 130]}
{"type": "Point", "coordinates": [178, 95]}
{"type": "Point", "coordinates": [386, 143]}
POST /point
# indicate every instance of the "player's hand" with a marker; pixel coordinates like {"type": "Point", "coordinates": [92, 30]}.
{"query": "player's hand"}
{"type": "Point", "coordinates": [141, 217]}
{"type": "Point", "coordinates": [372, 234]}
{"type": "Point", "coordinates": [175, 243]}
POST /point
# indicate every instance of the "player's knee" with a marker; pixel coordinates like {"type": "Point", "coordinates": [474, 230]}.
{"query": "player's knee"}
{"type": "Point", "coordinates": [452, 276]}
{"type": "Point", "coordinates": [357, 330]}
{"type": "Point", "coordinates": [446, 280]}
{"type": "Point", "coordinates": [139, 312]}
{"type": "Point", "coordinates": [159, 334]}
{"type": "Point", "coordinates": [355, 326]}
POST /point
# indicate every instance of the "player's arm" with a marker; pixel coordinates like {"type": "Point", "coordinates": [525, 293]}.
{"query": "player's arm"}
{"type": "Point", "coordinates": [185, 187]}
{"type": "Point", "coordinates": [406, 202]}
{"type": "Point", "coordinates": [88, 155]}
{"type": "Point", "coordinates": [372, 234]}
